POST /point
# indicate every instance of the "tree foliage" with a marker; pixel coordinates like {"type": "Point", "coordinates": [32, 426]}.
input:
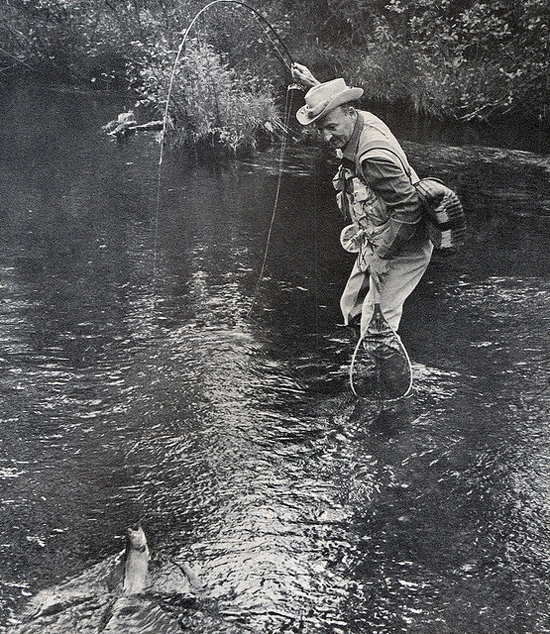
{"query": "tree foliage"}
{"type": "Point", "coordinates": [468, 58]}
{"type": "Point", "coordinates": [465, 58]}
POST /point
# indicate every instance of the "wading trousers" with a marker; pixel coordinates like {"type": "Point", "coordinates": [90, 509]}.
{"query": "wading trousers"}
{"type": "Point", "coordinates": [405, 271]}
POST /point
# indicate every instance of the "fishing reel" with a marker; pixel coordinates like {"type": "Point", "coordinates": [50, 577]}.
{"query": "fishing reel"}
{"type": "Point", "coordinates": [296, 87]}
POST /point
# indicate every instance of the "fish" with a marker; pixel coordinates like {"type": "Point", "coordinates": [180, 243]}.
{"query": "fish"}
{"type": "Point", "coordinates": [136, 561]}
{"type": "Point", "coordinates": [133, 591]}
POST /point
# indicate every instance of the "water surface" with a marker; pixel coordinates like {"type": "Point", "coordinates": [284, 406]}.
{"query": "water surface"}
{"type": "Point", "coordinates": [136, 386]}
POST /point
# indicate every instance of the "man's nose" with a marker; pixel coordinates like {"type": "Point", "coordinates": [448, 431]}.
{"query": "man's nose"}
{"type": "Point", "coordinates": [327, 136]}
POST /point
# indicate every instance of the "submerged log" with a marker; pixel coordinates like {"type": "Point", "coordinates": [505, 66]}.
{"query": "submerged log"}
{"type": "Point", "coordinates": [150, 125]}
{"type": "Point", "coordinates": [126, 124]}
{"type": "Point", "coordinates": [121, 124]}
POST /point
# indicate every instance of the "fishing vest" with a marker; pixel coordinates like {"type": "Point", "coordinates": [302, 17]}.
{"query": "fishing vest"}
{"type": "Point", "coordinates": [356, 200]}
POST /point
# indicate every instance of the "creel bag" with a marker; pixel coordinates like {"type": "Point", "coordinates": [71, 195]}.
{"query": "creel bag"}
{"type": "Point", "coordinates": [442, 210]}
{"type": "Point", "coordinates": [443, 213]}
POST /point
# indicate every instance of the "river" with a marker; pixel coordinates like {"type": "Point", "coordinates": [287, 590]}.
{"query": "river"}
{"type": "Point", "coordinates": [136, 386]}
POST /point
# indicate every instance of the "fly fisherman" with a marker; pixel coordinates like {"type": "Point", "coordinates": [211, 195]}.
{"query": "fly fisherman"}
{"type": "Point", "coordinates": [376, 194]}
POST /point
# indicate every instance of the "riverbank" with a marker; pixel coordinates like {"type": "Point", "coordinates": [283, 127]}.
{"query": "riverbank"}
{"type": "Point", "coordinates": [477, 64]}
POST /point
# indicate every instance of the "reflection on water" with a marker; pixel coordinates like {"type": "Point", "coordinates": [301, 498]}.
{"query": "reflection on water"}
{"type": "Point", "coordinates": [130, 396]}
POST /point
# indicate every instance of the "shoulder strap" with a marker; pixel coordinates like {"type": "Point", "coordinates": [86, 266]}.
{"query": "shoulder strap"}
{"type": "Point", "coordinates": [406, 168]}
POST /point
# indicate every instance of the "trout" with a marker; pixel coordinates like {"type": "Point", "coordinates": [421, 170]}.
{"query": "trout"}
{"type": "Point", "coordinates": [136, 561]}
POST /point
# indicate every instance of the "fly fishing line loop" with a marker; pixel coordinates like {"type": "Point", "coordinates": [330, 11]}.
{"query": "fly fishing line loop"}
{"type": "Point", "coordinates": [286, 59]}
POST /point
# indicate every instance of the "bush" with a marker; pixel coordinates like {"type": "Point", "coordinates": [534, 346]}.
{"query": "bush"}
{"type": "Point", "coordinates": [462, 58]}
{"type": "Point", "coordinates": [210, 102]}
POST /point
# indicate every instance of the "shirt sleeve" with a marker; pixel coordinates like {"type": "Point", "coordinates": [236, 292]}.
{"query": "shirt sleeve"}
{"type": "Point", "coordinates": [391, 184]}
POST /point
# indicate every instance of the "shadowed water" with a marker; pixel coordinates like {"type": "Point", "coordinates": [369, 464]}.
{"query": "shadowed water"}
{"type": "Point", "coordinates": [134, 390]}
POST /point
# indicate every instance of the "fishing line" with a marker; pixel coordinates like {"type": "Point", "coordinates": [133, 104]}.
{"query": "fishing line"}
{"type": "Point", "coordinates": [282, 53]}
{"type": "Point", "coordinates": [263, 23]}
{"type": "Point", "coordinates": [286, 120]}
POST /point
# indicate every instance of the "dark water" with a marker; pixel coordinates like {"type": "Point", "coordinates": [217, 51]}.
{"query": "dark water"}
{"type": "Point", "coordinates": [137, 388]}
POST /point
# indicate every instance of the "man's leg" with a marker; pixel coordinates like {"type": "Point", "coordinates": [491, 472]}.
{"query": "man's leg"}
{"type": "Point", "coordinates": [354, 294]}
{"type": "Point", "coordinates": [405, 272]}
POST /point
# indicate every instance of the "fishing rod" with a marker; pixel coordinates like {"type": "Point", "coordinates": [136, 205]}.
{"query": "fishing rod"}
{"type": "Point", "coordinates": [266, 27]}
{"type": "Point", "coordinates": [286, 59]}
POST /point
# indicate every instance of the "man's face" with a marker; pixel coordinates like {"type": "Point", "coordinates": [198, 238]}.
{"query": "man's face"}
{"type": "Point", "coordinates": [337, 126]}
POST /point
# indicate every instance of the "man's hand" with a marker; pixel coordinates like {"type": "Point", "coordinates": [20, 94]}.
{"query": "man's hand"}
{"type": "Point", "coordinates": [302, 75]}
{"type": "Point", "coordinates": [378, 267]}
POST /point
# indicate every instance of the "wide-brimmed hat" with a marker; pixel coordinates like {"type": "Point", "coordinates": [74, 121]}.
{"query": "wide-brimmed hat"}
{"type": "Point", "coordinates": [323, 98]}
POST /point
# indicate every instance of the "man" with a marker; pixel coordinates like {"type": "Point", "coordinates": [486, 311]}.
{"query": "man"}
{"type": "Point", "coordinates": [374, 189]}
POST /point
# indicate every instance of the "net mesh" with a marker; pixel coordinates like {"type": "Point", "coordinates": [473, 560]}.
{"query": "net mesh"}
{"type": "Point", "coordinates": [380, 367]}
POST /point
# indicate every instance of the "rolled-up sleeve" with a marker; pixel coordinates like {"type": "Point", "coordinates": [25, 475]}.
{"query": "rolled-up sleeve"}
{"type": "Point", "coordinates": [391, 184]}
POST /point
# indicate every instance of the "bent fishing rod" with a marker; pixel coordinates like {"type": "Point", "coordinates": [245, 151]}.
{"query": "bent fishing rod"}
{"type": "Point", "coordinates": [286, 59]}
{"type": "Point", "coordinates": [264, 24]}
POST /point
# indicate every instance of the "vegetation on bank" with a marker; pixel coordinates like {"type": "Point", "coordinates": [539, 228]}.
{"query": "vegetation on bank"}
{"type": "Point", "coordinates": [469, 59]}
{"type": "Point", "coordinates": [211, 103]}
{"type": "Point", "coordinates": [463, 58]}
